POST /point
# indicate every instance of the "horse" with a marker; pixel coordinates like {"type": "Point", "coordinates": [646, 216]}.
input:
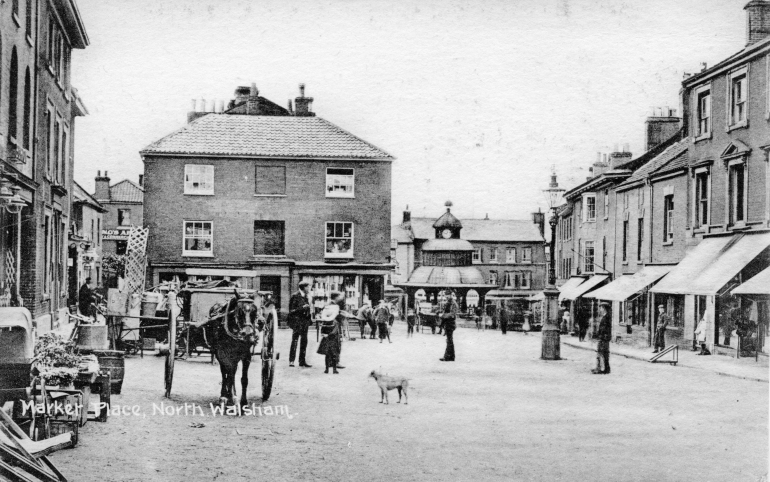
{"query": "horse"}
{"type": "Point", "coordinates": [232, 341]}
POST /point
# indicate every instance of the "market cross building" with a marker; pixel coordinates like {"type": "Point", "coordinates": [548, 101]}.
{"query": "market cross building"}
{"type": "Point", "coordinates": [269, 196]}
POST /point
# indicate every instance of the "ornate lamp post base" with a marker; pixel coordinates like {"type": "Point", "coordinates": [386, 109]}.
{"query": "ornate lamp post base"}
{"type": "Point", "coordinates": [551, 338]}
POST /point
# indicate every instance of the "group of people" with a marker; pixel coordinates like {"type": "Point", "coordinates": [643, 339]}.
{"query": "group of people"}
{"type": "Point", "coordinates": [379, 320]}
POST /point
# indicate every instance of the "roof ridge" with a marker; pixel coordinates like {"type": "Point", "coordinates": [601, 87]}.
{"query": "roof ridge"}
{"type": "Point", "coordinates": [355, 136]}
{"type": "Point", "coordinates": [128, 181]}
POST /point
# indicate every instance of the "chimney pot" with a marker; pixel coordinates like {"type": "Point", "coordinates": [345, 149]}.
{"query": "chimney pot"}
{"type": "Point", "coordinates": [302, 90]}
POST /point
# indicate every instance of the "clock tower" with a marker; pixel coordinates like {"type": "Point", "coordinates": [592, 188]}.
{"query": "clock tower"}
{"type": "Point", "coordinates": [447, 226]}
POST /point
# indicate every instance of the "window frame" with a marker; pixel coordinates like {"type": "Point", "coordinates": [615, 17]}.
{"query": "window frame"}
{"type": "Point", "coordinates": [606, 204]}
{"type": "Point", "coordinates": [493, 255]}
{"type": "Point", "coordinates": [732, 198]}
{"type": "Point", "coordinates": [586, 246]}
{"type": "Point", "coordinates": [737, 75]}
{"type": "Point", "coordinates": [493, 279]}
{"type": "Point", "coordinates": [668, 218]}
{"type": "Point", "coordinates": [351, 252]}
{"type": "Point", "coordinates": [197, 253]}
{"type": "Point", "coordinates": [526, 255]}
{"type": "Point", "coordinates": [587, 210]}
{"type": "Point", "coordinates": [476, 256]}
{"type": "Point", "coordinates": [703, 92]}
{"type": "Point", "coordinates": [283, 236]}
{"type": "Point", "coordinates": [344, 195]}
{"type": "Point", "coordinates": [509, 280]}
{"type": "Point", "coordinates": [526, 280]}
{"type": "Point", "coordinates": [639, 239]}
{"type": "Point", "coordinates": [188, 185]}
{"type": "Point", "coordinates": [510, 255]}
{"type": "Point", "coordinates": [123, 216]}
{"type": "Point", "coordinates": [702, 203]}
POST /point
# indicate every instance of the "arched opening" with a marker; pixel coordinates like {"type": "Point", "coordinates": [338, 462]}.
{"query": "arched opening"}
{"type": "Point", "coordinates": [13, 96]}
{"type": "Point", "coordinates": [472, 298]}
{"type": "Point", "coordinates": [27, 108]}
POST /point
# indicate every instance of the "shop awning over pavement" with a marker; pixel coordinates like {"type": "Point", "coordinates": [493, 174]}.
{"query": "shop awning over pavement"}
{"type": "Point", "coordinates": [758, 285]}
{"type": "Point", "coordinates": [585, 287]}
{"type": "Point", "coordinates": [628, 285]}
{"type": "Point", "coordinates": [569, 286]}
{"type": "Point", "coordinates": [713, 263]}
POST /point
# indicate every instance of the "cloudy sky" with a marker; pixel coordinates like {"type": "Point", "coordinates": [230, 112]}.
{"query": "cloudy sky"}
{"type": "Point", "coordinates": [476, 99]}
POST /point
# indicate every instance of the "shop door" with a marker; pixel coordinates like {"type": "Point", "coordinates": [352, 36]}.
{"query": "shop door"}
{"type": "Point", "coordinates": [374, 287]}
{"type": "Point", "coordinates": [272, 284]}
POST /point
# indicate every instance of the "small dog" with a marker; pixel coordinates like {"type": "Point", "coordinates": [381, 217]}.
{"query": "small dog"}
{"type": "Point", "coordinates": [387, 383]}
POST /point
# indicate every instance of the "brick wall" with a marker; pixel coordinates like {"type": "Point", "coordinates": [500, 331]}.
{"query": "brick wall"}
{"type": "Point", "coordinates": [664, 251]}
{"type": "Point", "coordinates": [538, 267]}
{"type": "Point", "coordinates": [234, 208]}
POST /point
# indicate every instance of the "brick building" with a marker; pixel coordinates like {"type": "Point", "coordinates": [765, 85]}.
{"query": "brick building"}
{"type": "Point", "coordinates": [508, 253]}
{"type": "Point", "coordinates": [725, 228]}
{"type": "Point", "coordinates": [84, 258]}
{"type": "Point", "coordinates": [269, 196]}
{"type": "Point", "coordinates": [38, 107]}
{"type": "Point", "coordinates": [124, 202]}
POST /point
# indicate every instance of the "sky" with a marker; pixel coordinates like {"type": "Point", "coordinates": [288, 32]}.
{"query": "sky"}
{"type": "Point", "coordinates": [477, 100]}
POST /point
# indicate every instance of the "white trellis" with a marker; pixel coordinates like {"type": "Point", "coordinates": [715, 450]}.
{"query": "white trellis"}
{"type": "Point", "coordinates": [136, 260]}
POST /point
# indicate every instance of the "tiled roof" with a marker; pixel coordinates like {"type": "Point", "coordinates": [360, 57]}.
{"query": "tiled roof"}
{"type": "Point", "coordinates": [677, 153]}
{"type": "Point", "coordinates": [401, 235]}
{"type": "Point", "coordinates": [81, 195]}
{"type": "Point", "coordinates": [271, 136]}
{"type": "Point", "coordinates": [502, 230]}
{"type": "Point", "coordinates": [126, 192]}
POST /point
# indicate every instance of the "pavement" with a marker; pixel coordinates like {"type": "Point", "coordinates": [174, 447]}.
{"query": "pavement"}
{"type": "Point", "coordinates": [745, 368]}
{"type": "Point", "coordinates": [498, 413]}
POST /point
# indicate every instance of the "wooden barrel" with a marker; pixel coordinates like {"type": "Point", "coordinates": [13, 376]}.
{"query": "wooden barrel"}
{"type": "Point", "coordinates": [550, 343]}
{"type": "Point", "coordinates": [114, 362]}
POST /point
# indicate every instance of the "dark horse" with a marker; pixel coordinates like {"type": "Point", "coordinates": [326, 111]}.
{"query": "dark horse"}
{"type": "Point", "coordinates": [234, 333]}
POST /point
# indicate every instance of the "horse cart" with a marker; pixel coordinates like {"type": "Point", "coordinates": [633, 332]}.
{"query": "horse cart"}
{"type": "Point", "coordinates": [234, 319]}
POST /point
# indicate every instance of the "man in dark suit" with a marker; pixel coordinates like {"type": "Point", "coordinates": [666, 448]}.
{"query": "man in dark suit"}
{"type": "Point", "coordinates": [604, 335]}
{"type": "Point", "coordinates": [299, 321]}
{"type": "Point", "coordinates": [85, 299]}
{"type": "Point", "coordinates": [449, 317]}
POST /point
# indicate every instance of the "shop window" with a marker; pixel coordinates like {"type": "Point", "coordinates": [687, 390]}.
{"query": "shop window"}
{"type": "Point", "coordinates": [198, 238]}
{"type": "Point", "coordinates": [339, 240]}
{"type": "Point", "coordinates": [510, 255]}
{"type": "Point", "coordinates": [270, 180]}
{"type": "Point", "coordinates": [526, 255]}
{"type": "Point", "coordinates": [269, 238]}
{"type": "Point", "coordinates": [124, 217]}
{"type": "Point", "coordinates": [340, 182]}
{"type": "Point", "coordinates": [198, 179]}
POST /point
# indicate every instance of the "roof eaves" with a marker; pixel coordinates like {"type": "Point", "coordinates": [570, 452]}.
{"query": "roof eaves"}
{"type": "Point", "coordinates": [716, 69]}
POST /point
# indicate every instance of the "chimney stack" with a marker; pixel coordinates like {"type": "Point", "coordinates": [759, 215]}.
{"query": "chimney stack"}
{"type": "Point", "coordinates": [407, 220]}
{"type": "Point", "coordinates": [617, 159]}
{"type": "Point", "coordinates": [661, 127]}
{"type": "Point", "coordinates": [102, 191]}
{"type": "Point", "coordinates": [599, 167]}
{"type": "Point", "coordinates": [241, 94]}
{"type": "Point", "coordinates": [252, 108]}
{"type": "Point", "coordinates": [757, 21]}
{"type": "Point", "coordinates": [303, 105]}
{"type": "Point", "coordinates": [198, 110]}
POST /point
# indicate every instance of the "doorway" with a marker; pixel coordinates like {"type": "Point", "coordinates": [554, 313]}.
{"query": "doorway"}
{"type": "Point", "coordinates": [374, 287]}
{"type": "Point", "coordinates": [272, 284]}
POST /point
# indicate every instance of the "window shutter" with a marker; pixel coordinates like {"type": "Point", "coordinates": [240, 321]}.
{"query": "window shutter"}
{"type": "Point", "coordinates": [271, 180]}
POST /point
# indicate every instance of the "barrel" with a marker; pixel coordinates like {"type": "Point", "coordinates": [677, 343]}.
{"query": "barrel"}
{"type": "Point", "coordinates": [150, 303]}
{"type": "Point", "coordinates": [550, 343]}
{"type": "Point", "coordinates": [114, 362]}
{"type": "Point", "coordinates": [93, 337]}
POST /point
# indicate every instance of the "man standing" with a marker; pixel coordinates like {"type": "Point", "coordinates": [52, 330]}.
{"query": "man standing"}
{"type": "Point", "coordinates": [504, 318]}
{"type": "Point", "coordinates": [299, 320]}
{"type": "Point", "coordinates": [448, 318]}
{"type": "Point", "coordinates": [382, 318]}
{"type": "Point", "coordinates": [364, 317]}
{"type": "Point", "coordinates": [660, 334]}
{"type": "Point", "coordinates": [85, 299]}
{"type": "Point", "coordinates": [604, 334]}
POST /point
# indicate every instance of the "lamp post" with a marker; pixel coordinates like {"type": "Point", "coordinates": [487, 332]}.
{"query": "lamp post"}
{"type": "Point", "coordinates": [550, 337]}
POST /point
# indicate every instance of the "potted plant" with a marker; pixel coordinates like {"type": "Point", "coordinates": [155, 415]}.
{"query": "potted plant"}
{"type": "Point", "coordinates": [55, 360]}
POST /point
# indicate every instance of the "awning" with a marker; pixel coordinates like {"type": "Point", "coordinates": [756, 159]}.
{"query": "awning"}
{"type": "Point", "coordinates": [713, 263]}
{"type": "Point", "coordinates": [237, 273]}
{"type": "Point", "coordinates": [537, 297]}
{"type": "Point", "coordinates": [758, 285]}
{"type": "Point", "coordinates": [626, 286]}
{"type": "Point", "coordinates": [568, 287]}
{"type": "Point", "coordinates": [446, 277]}
{"type": "Point", "coordinates": [585, 287]}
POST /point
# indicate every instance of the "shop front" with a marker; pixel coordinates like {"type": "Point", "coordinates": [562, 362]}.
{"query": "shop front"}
{"type": "Point", "coordinates": [582, 308]}
{"type": "Point", "coordinates": [756, 293]}
{"type": "Point", "coordinates": [631, 304]}
{"type": "Point", "coordinates": [701, 287]}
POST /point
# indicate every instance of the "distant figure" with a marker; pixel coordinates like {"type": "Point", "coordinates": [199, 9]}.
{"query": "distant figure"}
{"type": "Point", "coordinates": [604, 334]}
{"type": "Point", "coordinates": [582, 322]}
{"type": "Point", "coordinates": [86, 299]}
{"type": "Point", "coordinates": [299, 320]}
{"type": "Point", "coordinates": [700, 332]}
{"type": "Point", "coordinates": [448, 318]}
{"type": "Point", "coordinates": [504, 317]}
{"type": "Point", "coordinates": [364, 317]}
{"type": "Point", "coordinates": [382, 318]}
{"type": "Point", "coordinates": [660, 334]}
{"type": "Point", "coordinates": [410, 321]}
{"type": "Point", "coordinates": [565, 318]}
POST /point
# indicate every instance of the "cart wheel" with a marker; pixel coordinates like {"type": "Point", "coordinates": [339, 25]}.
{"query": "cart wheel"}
{"type": "Point", "coordinates": [269, 354]}
{"type": "Point", "coordinates": [169, 372]}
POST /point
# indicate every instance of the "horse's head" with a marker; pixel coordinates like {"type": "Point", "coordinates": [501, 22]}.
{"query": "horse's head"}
{"type": "Point", "coordinates": [244, 319]}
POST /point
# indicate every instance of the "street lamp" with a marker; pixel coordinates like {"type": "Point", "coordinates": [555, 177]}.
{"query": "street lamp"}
{"type": "Point", "coordinates": [550, 337]}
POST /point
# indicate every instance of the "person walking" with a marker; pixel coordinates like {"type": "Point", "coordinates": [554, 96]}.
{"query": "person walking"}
{"type": "Point", "coordinates": [382, 318]}
{"type": "Point", "coordinates": [448, 319]}
{"type": "Point", "coordinates": [504, 317]}
{"type": "Point", "coordinates": [364, 317]}
{"type": "Point", "coordinates": [332, 319]}
{"type": "Point", "coordinates": [582, 322]}
{"type": "Point", "coordinates": [604, 334]}
{"type": "Point", "coordinates": [660, 334]}
{"type": "Point", "coordinates": [410, 321]}
{"type": "Point", "coordinates": [700, 333]}
{"type": "Point", "coordinates": [299, 320]}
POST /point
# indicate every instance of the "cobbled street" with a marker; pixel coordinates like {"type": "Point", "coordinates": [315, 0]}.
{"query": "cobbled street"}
{"type": "Point", "coordinates": [498, 413]}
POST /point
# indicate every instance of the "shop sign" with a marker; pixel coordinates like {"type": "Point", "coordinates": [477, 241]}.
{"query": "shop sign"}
{"type": "Point", "coordinates": [117, 234]}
